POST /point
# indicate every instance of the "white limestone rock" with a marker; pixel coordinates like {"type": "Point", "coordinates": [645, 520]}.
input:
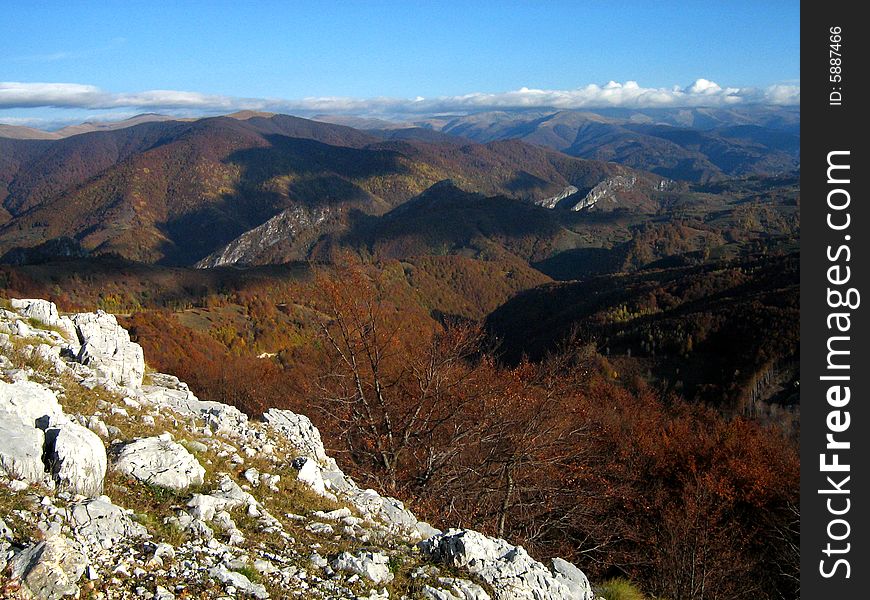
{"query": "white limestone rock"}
{"type": "Point", "coordinates": [77, 458]}
{"type": "Point", "coordinates": [106, 348]}
{"type": "Point", "coordinates": [572, 577]}
{"type": "Point", "coordinates": [391, 512]}
{"type": "Point", "coordinates": [159, 461]}
{"type": "Point", "coordinates": [372, 565]}
{"type": "Point", "coordinates": [51, 355]}
{"type": "Point", "coordinates": [21, 449]}
{"type": "Point", "coordinates": [163, 554]}
{"type": "Point", "coordinates": [239, 581]}
{"type": "Point", "coordinates": [309, 474]}
{"type": "Point", "coordinates": [51, 568]}
{"type": "Point", "coordinates": [299, 431]}
{"type": "Point", "coordinates": [98, 426]}
{"type": "Point", "coordinates": [161, 593]}
{"type": "Point", "coordinates": [224, 419]}
{"type": "Point", "coordinates": [45, 312]}
{"type": "Point", "coordinates": [29, 401]}
{"type": "Point", "coordinates": [101, 524]}
{"type": "Point", "coordinates": [508, 569]}
{"type": "Point", "coordinates": [228, 496]}
{"type": "Point", "coordinates": [452, 588]}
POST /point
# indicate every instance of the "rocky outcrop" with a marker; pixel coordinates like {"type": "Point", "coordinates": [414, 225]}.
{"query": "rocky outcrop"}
{"type": "Point", "coordinates": [37, 437]}
{"type": "Point", "coordinates": [76, 457]}
{"type": "Point", "coordinates": [554, 201]}
{"type": "Point", "coordinates": [299, 431]}
{"type": "Point", "coordinates": [45, 312]}
{"type": "Point", "coordinates": [283, 228]}
{"type": "Point", "coordinates": [508, 569]}
{"type": "Point", "coordinates": [159, 461]}
{"type": "Point", "coordinates": [273, 516]}
{"type": "Point", "coordinates": [606, 190]}
{"type": "Point", "coordinates": [20, 449]}
{"type": "Point", "coordinates": [106, 348]}
{"type": "Point", "coordinates": [50, 568]}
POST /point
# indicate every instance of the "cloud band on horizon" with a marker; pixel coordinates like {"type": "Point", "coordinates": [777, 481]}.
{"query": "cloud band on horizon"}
{"type": "Point", "coordinates": [611, 95]}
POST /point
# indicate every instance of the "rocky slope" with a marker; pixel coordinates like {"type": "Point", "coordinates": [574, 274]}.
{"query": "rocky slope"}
{"type": "Point", "coordinates": [293, 227]}
{"type": "Point", "coordinates": [116, 482]}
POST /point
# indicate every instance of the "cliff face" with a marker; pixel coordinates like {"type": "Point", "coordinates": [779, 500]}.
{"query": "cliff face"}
{"type": "Point", "coordinates": [120, 483]}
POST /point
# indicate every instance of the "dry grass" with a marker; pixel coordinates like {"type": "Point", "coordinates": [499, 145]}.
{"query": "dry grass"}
{"type": "Point", "coordinates": [620, 588]}
{"type": "Point", "coordinates": [22, 355]}
{"type": "Point", "coordinates": [39, 324]}
{"type": "Point", "coordinates": [11, 503]}
{"type": "Point", "coordinates": [152, 505]}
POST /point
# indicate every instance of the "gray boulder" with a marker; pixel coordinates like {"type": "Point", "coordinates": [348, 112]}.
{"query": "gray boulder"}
{"type": "Point", "coordinates": [107, 349]}
{"type": "Point", "coordinates": [50, 569]}
{"type": "Point", "coordinates": [374, 566]}
{"type": "Point", "coordinates": [101, 524]}
{"type": "Point", "coordinates": [508, 569]}
{"type": "Point", "coordinates": [159, 461]}
{"type": "Point", "coordinates": [29, 401]}
{"type": "Point", "coordinates": [77, 458]}
{"type": "Point", "coordinates": [20, 449]}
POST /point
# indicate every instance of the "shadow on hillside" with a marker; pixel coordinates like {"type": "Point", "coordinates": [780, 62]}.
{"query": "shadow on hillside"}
{"type": "Point", "coordinates": [274, 177]}
{"type": "Point", "coordinates": [87, 280]}
{"type": "Point", "coordinates": [295, 159]}
{"type": "Point", "coordinates": [444, 219]}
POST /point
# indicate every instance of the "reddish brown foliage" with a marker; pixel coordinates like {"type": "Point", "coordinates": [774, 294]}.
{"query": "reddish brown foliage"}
{"type": "Point", "coordinates": [556, 455]}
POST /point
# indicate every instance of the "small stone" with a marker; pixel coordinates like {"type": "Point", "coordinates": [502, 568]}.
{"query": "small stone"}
{"type": "Point", "coordinates": [161, 593]}
{"type": "Point", "coordinates": [252, 475]}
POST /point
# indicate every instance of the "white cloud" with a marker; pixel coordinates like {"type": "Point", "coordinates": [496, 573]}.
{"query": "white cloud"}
{"type": "Point", "coordinates": [57, 95]}
{"type": "Point", "coordinates": [783, 94]}
{"type": "Point", "coordinates": [704, 86]}
{"type": "Point", "coordinates": [630, 94]}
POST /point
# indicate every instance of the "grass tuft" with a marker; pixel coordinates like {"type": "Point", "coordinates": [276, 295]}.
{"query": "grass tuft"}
{"type": "Point", "coordinates": [620, 588]}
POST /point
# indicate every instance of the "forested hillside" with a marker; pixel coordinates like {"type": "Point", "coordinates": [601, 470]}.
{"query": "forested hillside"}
{"type": "Point", "coordinates": [588, 359]}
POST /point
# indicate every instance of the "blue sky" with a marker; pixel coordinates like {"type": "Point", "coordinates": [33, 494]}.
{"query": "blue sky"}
{"type": "Point", "coordinates": [278, 54]}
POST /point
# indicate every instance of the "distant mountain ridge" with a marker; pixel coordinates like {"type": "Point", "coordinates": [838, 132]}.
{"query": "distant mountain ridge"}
{"type": "Point", "coordinates": [696, 145]}
{"type": "Point", "coordinates": [176, 191]}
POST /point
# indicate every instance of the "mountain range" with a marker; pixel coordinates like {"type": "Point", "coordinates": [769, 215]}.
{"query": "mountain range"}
{"type": "Point", "coordinates": [176, 191]}
{"type": "Point", "coordinates": [579, 327]}
{"type": "Point", "coordinates": [182, 192]}
{"type": "Point", "coordinates": [691, 144]}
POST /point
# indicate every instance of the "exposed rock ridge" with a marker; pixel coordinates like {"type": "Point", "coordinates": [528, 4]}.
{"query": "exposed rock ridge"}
{"type": "Point", "coordinates": [284, 226]}
{"type": "Point", "coordinates": [606, 190]}
{"type": "Point", "coordinates": [129, 488]}
{"type": "Point", "coordinates": [553, 201]}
